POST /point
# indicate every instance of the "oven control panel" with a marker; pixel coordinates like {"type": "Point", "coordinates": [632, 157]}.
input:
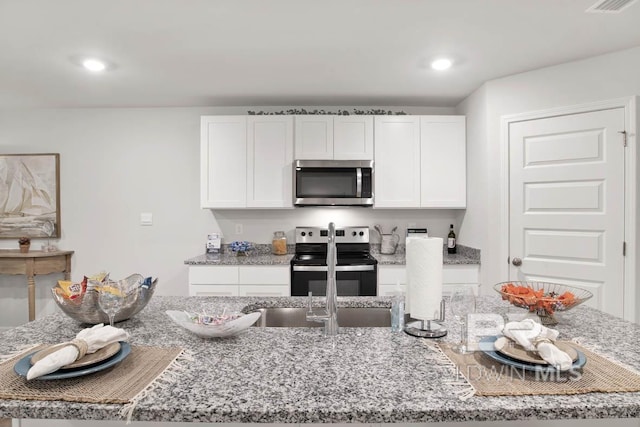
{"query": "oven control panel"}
{"type": "Point", "coordinates": [343, 235]}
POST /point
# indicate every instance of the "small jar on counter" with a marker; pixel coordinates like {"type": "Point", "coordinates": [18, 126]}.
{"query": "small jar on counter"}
{"type": "Point", "coordinates": [279, 243]}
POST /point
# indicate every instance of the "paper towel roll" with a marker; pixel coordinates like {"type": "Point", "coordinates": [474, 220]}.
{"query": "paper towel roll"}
{"type": "Point", "coordinates": [424, 277]}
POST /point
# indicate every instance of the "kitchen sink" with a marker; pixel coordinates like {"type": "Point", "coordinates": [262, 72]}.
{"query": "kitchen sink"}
{"type": "Point", "coordinates": [348, 317]}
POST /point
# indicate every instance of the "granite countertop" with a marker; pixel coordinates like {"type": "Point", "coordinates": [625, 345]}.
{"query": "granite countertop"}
{"type": "Point", "coordinates": [296, 375]}
{"type": "Point", "coordinates": [262, 256]}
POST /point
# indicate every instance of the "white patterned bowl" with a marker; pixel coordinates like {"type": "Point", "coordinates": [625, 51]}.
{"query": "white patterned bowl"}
{"type": "Point", "coordinates": [230, 328]}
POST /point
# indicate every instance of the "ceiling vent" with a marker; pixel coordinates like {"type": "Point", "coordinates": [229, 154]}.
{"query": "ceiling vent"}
{"type": "Point", "coordinates": [610, 6]}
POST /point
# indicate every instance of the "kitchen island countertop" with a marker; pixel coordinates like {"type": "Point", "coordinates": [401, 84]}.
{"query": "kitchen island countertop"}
{"type": "Point", "coordinates": [296, 375]}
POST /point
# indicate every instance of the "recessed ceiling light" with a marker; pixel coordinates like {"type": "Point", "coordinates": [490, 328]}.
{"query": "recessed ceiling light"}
{"type": "Point", "coordinates": [93, 64]}
{"type": "Point", "coordinates": [441, 64]}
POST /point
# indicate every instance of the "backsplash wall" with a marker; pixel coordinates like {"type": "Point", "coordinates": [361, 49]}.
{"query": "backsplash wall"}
{"type": "Point", "coordinates": [258, 225]}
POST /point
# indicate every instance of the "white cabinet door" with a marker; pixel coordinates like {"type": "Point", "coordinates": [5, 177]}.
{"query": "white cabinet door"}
{"type": "Point", "coordinates": [213, 274]}
{"type": "Point", "coordinates": [264, 281]}
{"type": "Point", "coordinates": [233, 280]}
{"type": "Point", "coordinates": [353, 137]}
{"type": "Point", "coordinates": [223, 157]}
{"type": "Point", "coordinates": [214, 291]}
{"type": "Point", "coordinates": [453, 275]}
{"type": "Point", "coordinates": [263, 290]}
{"type": "Point", "coordinates": [264, 275]}
{"type": "Point", "coordinates": [397, 161]}
{"type": "Point", "coordinates": [213, 280]}
{"type": "Point", "coordinates": [269, 161]}
{"type": "Point", "coordinates": [443, 183]}
{"type": "Point", "coordinates": [314, 137]}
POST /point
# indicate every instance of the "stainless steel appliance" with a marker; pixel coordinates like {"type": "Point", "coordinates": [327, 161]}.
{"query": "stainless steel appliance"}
{"type": "Point", "coordinates": [333, 183]}
{"type": "Point", "coordinates": [356, 270]}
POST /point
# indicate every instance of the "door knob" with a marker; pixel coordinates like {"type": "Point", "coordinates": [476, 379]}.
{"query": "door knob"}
{"type": "Point", "coordinates": [517, 262]}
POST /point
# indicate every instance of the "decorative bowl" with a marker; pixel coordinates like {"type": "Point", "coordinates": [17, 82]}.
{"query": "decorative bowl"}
{"type": "Point", "coordinates": [224, 329]}
{"type": "Point", "coordinates": [240, 247]}
{"type": "Point", "coordinates": [85, 308]}
{"type": "Point", "coordinates": [543, 298]}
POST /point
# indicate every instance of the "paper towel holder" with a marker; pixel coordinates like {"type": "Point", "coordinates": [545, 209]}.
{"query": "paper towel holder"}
{"type": "Point", "coordinates": [425, 330]}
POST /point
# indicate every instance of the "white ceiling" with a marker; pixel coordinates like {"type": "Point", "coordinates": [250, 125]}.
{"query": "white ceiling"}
{"type": "Point", "coordinates": [288, 52]}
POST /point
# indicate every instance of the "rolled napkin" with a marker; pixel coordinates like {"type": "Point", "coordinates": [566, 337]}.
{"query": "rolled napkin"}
{"type": "Point", "coordinates": [424, 277]}
{"type": "Point", "coordinates": [87, 341]}
{"type": "Point", "coordinates": [533, 336]}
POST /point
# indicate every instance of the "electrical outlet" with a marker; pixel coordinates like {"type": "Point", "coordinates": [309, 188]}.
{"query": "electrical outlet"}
{"type": "Point", "coordinates": [239, 228]}
{"type": "Point", "coordinates": [146, 218]}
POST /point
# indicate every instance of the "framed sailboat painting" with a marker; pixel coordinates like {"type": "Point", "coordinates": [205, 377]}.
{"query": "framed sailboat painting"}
{"type": "Point", "coordinates": [29, 195]}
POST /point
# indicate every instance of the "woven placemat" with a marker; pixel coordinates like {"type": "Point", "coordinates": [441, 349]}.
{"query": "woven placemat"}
{"type": "Point", "coordinates": [491, 378]}
{"type": "Point", "coordinates": [119, 384]}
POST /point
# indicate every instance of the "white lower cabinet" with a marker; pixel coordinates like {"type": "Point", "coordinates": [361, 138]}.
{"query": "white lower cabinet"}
{"type": "Point", "coordinates": [233, 280]}
{"type": "Point", "coordinates": [263, 281]}
{"type": "Point", "coordinates": [273, 280]}
{"type": "Point", "coordinates": [453, 275]}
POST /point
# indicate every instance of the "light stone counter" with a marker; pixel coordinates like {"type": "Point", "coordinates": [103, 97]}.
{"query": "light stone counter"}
{"type": "Point", "coordinates": [262, 256]}
{"type": "Point", "coordinates": [295, 375]}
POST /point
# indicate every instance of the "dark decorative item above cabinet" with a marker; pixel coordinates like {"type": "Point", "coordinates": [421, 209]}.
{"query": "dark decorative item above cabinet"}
{"type": "Point", "coordinates": [302, 111]}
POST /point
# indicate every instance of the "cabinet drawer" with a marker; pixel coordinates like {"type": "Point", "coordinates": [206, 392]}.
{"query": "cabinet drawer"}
{"type": "Point", "coordinates": [460, 274]}
{"type": "Point", "coordinates": [213, 290]}
{"type": "Point", "coordinates": [264, 275]}
{"type": "Point", "coordinates": [213, 275]}
{"type": "Point", "coordinates": [263, 291]}
{"type": "Point", "coordinates": [392, 274]}
{"type": "Point", "coordinates": [389, 290]}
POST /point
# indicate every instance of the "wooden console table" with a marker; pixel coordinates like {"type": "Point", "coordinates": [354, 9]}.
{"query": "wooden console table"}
{"type": "Point", "coordinates": [32, 263]}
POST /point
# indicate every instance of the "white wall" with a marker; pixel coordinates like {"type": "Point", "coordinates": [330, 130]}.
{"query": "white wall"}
{"type": "Point", "coordinates": [117, 163]}
{"type": "Point", "coordinates": [605, 77]}
{"type": "Point", "coordinates": [473, 221]}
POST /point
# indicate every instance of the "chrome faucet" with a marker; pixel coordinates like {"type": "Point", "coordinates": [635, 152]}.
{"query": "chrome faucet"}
{"type": "Point", "coordinates": [330, 315]}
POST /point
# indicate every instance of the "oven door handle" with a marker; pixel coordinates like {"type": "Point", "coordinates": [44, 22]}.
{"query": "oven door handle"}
{"type": "Point", "coordinates": [338, 268]}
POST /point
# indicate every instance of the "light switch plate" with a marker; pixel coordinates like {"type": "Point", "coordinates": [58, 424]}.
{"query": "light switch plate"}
{"type": "Point", "coordinates": [146, 218]}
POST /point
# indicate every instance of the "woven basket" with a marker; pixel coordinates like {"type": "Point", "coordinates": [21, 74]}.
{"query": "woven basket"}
{"type": "Point", "coordinates": [86, 310]}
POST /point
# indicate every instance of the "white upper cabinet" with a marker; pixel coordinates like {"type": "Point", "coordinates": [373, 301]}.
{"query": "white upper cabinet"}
{"type": "Point", "coordinates": [353, 137]}
{"type": "Point", "coordinates": [269, 161]}
{"type": "Point", "coordinates": [314, 137]}
{"type": "Point", "coordinates": [246, 161]}
{"type": "Point", "coordinates": [334, 137]}
{"type": "Point", "coordinates": [397, 162]}
{"type": "Point", "coordinates": [443, 161]}
{"type": "Point", "coordinates": [223, 157]}
{"type": "Point", "coordinates": [420, 162]}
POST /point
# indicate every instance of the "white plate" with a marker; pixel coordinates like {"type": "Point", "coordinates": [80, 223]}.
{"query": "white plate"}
{"type": "Point", "coordinates": [228, 329]}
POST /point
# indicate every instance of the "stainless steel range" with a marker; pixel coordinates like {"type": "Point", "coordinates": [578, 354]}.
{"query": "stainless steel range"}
{"type": "Point", "coordinates": [356, 269]}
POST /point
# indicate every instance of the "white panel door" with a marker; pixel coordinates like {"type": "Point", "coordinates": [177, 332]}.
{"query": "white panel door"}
{"type": "Point", "coordinates": [223, 157]}
{"type": "Point", "coordinates": [443, 183]}
{"type": "Point", "coordinates": [269, 161]}
{"type": "Point", "coordinates": [567, 203]}
{"type": "Point", "coordinates": [353, 137]}
{"type": "Point", "coordinates": [397, 161]}
{"type": "Point", "coordinates": [314, 137]}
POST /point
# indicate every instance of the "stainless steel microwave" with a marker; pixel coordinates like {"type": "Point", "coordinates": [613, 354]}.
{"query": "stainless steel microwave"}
{"type": "Point", "coordinates": [333, 183]}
